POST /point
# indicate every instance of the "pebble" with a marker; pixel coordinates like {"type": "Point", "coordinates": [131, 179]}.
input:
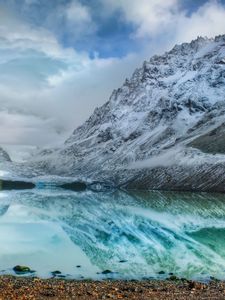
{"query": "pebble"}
{"type": "Point", "coordinates": [57, 289]}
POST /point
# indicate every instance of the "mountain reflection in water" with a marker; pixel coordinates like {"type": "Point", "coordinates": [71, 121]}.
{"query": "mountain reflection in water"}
{"type": "Point", "coordinates": [135, 235]}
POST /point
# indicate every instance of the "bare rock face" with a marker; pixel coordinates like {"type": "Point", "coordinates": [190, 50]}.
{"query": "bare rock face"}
{"type": "Point", "coordinates": [4, 157]}
{"type": "Point", "coordinates": [211, 142]}
{"type": "Point", "coordinates": [162, 129]}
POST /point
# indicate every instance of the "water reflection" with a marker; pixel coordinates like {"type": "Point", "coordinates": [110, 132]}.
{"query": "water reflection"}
{"type": "Point", "coordinates": [134, 235]}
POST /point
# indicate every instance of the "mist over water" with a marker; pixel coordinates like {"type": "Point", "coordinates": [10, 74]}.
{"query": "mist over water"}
{"type": "Point", "coordinates": [135, 235]}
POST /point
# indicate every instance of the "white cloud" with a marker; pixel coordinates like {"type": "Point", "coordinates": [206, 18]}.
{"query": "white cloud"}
{"type": "Point", "coordinates": [149, 16]}
{"type": "Point", "coordinates": [166, 18]}
{"type": "Point", "coordinates": [75, 19]}
{"type": "Point", "coordinates": [77, 13]}
{"type": "Point", "coordinates": [208, 21]}
{"type": "Point", "coordinates": [15, 33]}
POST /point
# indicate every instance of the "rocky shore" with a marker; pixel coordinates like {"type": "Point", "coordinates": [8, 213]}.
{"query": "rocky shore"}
{"type": "Point", "coordinates": [12, 288]}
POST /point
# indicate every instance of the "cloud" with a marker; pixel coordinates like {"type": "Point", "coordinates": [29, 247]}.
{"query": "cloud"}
{"type": "Point", "coordinates": [155, 18]}
{"type": "Point", "coordinates": [14, 33]}
{"type": "Point", "coordinates": [149, 17]}
{"type": "Point", "coordinates": [16, 128]}
{"type": "Point", "coordinates": [72, 21]}
{"type": "Point", "coordinates": [46, 90]}
{"type": "Point", "coordinates": [76, 13]}
{"type": "Point", "coordinates": [208, 20]}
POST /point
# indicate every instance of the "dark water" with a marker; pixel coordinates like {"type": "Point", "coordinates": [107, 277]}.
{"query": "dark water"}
{"type": "Point", "coordinates": [134, 235]}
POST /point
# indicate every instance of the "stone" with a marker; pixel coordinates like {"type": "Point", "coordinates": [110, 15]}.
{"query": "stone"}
{"type": "Point", "coordinates": [22, 269]}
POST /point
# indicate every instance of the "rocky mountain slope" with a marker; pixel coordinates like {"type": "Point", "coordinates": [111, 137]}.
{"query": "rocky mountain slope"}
{"type": "Point", "coordinates": [4, 157]}
{"type": "Point", "coordinates": [163, 129]}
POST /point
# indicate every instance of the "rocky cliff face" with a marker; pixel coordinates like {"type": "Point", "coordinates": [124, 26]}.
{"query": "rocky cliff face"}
{"type": "Point", "coordinates": [162, 129]}
{"type": "Point", "coordinates": [4, 157]}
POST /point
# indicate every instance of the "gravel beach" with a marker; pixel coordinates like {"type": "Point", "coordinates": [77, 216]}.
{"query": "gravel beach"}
{"type": "Point", "coordinates": [60, 289]}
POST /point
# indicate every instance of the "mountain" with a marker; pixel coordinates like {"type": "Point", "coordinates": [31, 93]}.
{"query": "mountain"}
{"type": "Point", "coordinates": [163, 129]}
{"type": "Point", "coordinates": [4, 157]}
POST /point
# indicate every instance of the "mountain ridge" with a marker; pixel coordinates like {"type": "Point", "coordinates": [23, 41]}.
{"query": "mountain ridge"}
{"type": "Point", "coordinates": [4, 157]}
{"type": "Point", "coordinates": [152, 123]}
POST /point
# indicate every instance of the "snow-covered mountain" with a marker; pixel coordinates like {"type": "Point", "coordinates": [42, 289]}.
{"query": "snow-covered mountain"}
{"type": "Point", "coordinates": [4, 157]}
{"type": "Point", "coordinates": [163, 129]}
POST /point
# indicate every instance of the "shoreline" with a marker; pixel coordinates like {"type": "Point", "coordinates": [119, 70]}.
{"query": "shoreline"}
{"type": "Point", "coordinates": [12, 287]}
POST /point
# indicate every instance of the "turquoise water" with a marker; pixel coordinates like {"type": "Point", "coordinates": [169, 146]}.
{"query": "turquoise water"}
{"type": "Point", "coordinates": [134, 235]}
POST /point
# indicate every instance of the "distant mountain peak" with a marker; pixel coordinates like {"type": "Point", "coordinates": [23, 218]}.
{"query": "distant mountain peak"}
{"type": "Point", "coordinates": [4, 157]}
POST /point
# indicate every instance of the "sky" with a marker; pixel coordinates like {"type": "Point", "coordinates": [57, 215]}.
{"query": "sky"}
{"type": "Point", "coordinates": [60, 59]}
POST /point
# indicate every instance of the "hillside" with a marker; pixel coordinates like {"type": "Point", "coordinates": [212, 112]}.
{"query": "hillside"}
{"type": "Point", "coordinates": [163, 129]}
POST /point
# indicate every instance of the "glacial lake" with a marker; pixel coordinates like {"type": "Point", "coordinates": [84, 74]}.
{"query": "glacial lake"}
{"type": "Point", "coordinates": [134, 235]}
